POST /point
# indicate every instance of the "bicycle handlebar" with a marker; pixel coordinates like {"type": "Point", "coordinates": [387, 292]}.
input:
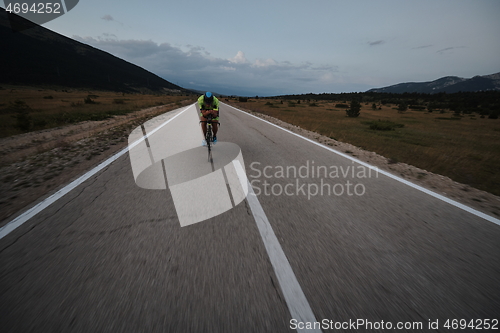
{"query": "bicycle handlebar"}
{"type": "Point", "coordinates": [209, 117]}
{"type": "Point", "coordinates": [210, 121]}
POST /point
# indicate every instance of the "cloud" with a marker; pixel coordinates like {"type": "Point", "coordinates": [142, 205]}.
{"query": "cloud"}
{"type": "Point", "coordinates": [325, 68]}
{"type": "Point", "coordinates": [110, 18]}
{"type": "Point", "coordinates": [226, 68]}
{"type": "Point", "coordinates": [378, 42]}
{"type": "Point", "coordinates": [264, 63]}
{"type": "Point", "coordinates": [450, 48]}
{"type": "Point", "coordinates": [193, 67]}
{"type": "Point", "coordinates": [110, 36]}
{"type": "Point", "coordinates": [239, 58]}
{"type": "Point", "coordinates": [107, 18]}
{"type": "Point", "coordinates": [422, 47]}
{"type": "Point", "coordinates": [444, 50]}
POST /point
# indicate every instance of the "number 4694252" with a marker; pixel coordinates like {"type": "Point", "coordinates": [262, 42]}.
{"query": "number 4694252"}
{"type": "Point", "coordinates": [36, 8]}
{"type": "Point", "coordinates": [477, 324]}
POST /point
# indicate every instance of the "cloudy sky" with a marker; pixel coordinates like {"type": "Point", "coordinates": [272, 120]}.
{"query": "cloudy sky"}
{"type": "Point", "coordinates": [270, 47]}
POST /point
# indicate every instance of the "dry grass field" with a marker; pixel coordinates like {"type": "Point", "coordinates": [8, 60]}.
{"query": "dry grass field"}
{"type": "Point", "coordinates": [74, 138]}
{"type": "Point", "coordinates": [465, 148]}
{"type": "Point", "coordinates": [27, 109]}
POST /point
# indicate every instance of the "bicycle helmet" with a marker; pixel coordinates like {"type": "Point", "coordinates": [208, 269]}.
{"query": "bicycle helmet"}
{"type": "Point", "coordinates": [208, 98]}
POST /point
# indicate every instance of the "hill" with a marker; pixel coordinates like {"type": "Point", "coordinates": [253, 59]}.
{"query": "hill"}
{"type": "Point", "coordinates": [33, 55]}
{"type": "Point", "coordinates": [448, 84]}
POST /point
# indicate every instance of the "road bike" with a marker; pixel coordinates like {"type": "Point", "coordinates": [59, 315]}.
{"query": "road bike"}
{"type": "Point", "coordinates": [209, 138]}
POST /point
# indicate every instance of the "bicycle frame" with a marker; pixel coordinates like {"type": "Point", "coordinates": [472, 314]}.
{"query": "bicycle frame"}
{"type": "Point", "coordinates": [209, 136]}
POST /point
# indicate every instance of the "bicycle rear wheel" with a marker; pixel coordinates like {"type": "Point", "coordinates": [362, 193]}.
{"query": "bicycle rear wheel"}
{"type": "Point", "coordinates": [209, 140]}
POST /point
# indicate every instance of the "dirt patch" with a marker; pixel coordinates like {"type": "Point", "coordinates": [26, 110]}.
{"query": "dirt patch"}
{"type": "Point", "coordinates": [465, 194]}
{"type": "Point", "coordinates": [36, 164]}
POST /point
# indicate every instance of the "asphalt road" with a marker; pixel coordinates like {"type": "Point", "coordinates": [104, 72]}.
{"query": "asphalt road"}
{"type": "Point", "coordinates": [111, 256]}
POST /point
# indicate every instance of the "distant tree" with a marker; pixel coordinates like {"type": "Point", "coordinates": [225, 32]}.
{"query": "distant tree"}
{"type": "Point", "coordinates": [402, 107]}
{"type": "Point", "coordinates": [354, 109]}
{"type": "Point", "coordinates": [374, 106]}
{"type": "Point", "coordinates": [431, 106]}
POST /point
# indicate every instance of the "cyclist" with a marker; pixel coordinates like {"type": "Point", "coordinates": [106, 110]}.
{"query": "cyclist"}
{"type": "Point", "coordinates": [209, 104]}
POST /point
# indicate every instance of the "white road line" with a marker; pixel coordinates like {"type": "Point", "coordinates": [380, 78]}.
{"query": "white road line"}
{"type": "Point", "coordinates": [18, 221]}
{"type": "Point", "coordinates": [420, 188]}
{"type": "Point", "coordinates": [296, 301]}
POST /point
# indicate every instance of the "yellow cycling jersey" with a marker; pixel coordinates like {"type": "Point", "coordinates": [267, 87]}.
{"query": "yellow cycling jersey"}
{"type": "Point", "coordinates": [201, 104]}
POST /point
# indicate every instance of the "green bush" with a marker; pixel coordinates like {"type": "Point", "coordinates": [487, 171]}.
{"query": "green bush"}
{"type": "Point", "coordinates": [451, 118]}
{"type": "Point", "coordinates": [22, 115]}
{"type": "Point", "coordinates": [402, 107]}
{"type": "Point", "coordinates": [385, 125]}
{"type": "Point", "coordinates": [89, 100]}
{"type": "Point", "coordinates": [39, 123]}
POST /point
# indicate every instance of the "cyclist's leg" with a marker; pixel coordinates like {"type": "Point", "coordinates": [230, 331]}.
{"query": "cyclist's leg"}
{"type": "Point", "coordinates": [204, 126]}
{"type": "Point", "coordinates": [215, 125]}
{"type": "Point", "coordinates": [214, 128]}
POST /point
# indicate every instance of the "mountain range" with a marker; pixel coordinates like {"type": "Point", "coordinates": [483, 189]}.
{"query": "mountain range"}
{"type": "Point", "coordinates": [33, 55]}
{"type": "Point", "coordinates": [447, 84]}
